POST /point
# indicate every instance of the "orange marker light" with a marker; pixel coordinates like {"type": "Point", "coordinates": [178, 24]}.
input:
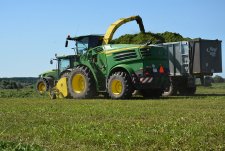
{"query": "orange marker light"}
{"type": "Point", "coordinates": [161, 69]}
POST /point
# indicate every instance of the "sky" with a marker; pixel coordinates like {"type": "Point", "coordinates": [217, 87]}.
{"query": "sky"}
{"type": "Point", "coordinates": [31, 32]}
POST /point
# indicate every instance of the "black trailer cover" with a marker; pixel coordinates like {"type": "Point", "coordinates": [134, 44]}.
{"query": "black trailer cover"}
{"type": "Point", "coordinates": [205, 56]}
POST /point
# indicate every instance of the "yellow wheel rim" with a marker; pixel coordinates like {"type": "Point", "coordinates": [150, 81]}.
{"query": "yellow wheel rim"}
{"type": "Point", "coordinates": [41, 87]}
{"type": "Point", "coordinates": [78, 83]}
{"type": "Point", "coordinates": [116, 87]}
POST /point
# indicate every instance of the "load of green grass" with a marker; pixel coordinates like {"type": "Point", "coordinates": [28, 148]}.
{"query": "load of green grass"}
{"type": "Point", "coordinates": [148, 36]}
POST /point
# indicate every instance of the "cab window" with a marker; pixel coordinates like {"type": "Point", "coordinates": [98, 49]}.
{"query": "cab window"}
{"type": "Point", "coordinates": [64, 64]}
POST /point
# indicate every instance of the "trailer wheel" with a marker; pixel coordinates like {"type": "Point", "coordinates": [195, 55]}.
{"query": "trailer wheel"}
{"type": "Point", "coordinates": [81, 83]}
{"type": "Point", "coordinates": [120, 86]}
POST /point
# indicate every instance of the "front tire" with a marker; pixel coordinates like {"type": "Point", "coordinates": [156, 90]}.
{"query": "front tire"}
{"type": "Point", "coordinates": [81, 83]}
{"type": "Point", "coordinates": [42, 86]}
{"type": "Point", "coordinates": [120, 86]}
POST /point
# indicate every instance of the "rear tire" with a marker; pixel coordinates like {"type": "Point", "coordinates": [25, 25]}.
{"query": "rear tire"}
{"type": "Point", "coordinates": [65, 74]}
{"type": "Point", "coordinates": [81, 83]}
{"type": "Point", "coordinates": [120, 86]}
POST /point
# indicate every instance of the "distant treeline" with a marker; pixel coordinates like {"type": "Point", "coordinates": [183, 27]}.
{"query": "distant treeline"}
{"type": "Point", "coordinates": [17, 83]}
{"type": "Point", "coordinates": [218, 79]}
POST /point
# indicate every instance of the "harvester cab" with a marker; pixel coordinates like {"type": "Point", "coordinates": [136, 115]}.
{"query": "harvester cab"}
{"type": "Point", "coordinates": [84, 43]}
{"type": "Point", "coordinates": [65, 64]}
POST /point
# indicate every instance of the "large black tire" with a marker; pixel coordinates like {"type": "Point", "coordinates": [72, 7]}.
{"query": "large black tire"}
{"type": "Point", "coordinates": [120, 86]}
{"type": "Point", "coordinates": [42, 86]}
{"type": "Point", "coordinates": [151, 93]}
{"type": "Point", "coordinates": [81, 83]}
{"type": "Point", "coordinates": [191, 91]}
{"type": "Point", "coordinates": [65, 74]}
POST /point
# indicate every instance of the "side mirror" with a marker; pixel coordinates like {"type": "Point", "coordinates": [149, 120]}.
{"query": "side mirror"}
{"type": "Point", "coordinates": [51, 61]}
{"type": "Point", "coordinates": [66, 44]}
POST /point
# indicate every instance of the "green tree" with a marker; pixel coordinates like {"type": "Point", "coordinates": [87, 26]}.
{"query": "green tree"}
{"type": "Point", "coordinates": [4, 83]}
{"type": "Point", "coordinates": [218, 79]}
{"type": "Point", "coordinates": [19, 85]}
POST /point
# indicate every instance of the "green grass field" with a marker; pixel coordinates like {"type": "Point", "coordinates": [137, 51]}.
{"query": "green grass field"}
{"type": "Point", "coordinates": [173, 123]}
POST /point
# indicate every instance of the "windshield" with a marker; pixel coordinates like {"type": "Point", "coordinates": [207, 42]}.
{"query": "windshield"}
{"type": "Point", "coordinates": [64, 64]}
{"type": "Point", "coordinates": [82, 45]}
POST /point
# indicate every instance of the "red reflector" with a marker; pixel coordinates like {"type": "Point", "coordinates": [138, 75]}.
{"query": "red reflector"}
{"type": "Point", "coordinates": [147, 73]}
{"type": "Point", "coordinates": [161, 69]}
